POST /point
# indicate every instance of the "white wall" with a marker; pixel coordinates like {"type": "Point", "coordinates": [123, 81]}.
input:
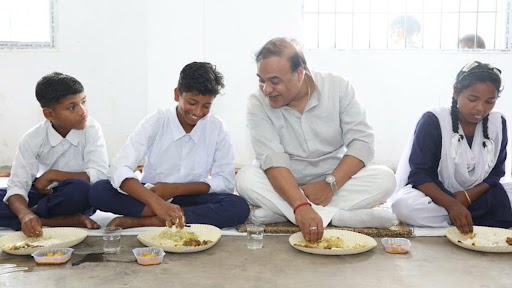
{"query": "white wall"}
{"type": "Point", "coordinates": [103, 44]}
{"type": "Point", "coordinates": [128, 55]}
{"type": "Point", "coordinates": [397, 87]}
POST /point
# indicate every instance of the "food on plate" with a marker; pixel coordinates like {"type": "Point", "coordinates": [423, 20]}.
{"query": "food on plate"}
{"type": "Point", "coordinates": [487, 240]}
{"type": "Point", "coordinates": [332, 242]}
{"type": "Point", "coordinates": [179, 223]}
{"type": "Point", "coordinates": [32, 242]}
{"type": "Point", "coordinates": [20, 245]}
{"type": "Point", "coordinates": [178, 238]}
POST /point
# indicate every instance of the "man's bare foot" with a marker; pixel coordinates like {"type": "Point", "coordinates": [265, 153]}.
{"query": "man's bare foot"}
{"type": "Point", "coordinates": [131, 222]}
{"type": "Point", "coordinates": [76, 220]}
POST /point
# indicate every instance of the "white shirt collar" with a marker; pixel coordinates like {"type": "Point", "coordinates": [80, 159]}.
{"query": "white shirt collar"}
{"type": "Point", "coordinates": [56, 138]}
{"type": "Point", "coordinates": [178, 131]}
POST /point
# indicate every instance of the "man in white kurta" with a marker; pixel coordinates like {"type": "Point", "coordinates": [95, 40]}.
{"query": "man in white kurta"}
{"type": "Point", "coordinates": [313, 146]}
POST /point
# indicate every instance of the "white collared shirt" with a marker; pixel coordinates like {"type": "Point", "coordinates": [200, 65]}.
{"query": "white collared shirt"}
{"type": "Point", "coordinates": [173, 156]}
{"type": "Point", "coordinates": [42, 149]}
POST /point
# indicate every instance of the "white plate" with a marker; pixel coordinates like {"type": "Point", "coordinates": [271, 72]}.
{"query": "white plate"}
{"type": "Point", "coordinates": [204, 232]}
{"type": "Point", "coordinates": [63, 237]}
{"type": "Point", "coordinates": [350, 238]}
{"type": "Point", "coordinates": [456, 237]}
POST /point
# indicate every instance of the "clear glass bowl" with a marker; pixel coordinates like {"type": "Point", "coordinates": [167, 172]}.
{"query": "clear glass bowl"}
{"type": "Point", "coordinates": [396, 245]}
{"type": "Point", "coordinates": [149, 255]}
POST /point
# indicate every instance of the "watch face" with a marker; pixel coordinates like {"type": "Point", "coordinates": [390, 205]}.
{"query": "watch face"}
{"type": "Point", "coordinates": [330, 179]}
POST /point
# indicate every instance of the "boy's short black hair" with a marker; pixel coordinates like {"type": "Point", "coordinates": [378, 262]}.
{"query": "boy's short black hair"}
{"type": "Point", "coordinates": [56, 86]}
{"type": "Point", "coordinates": [472, 41]}
{"type": "Point", "coordinates": [201, 78]}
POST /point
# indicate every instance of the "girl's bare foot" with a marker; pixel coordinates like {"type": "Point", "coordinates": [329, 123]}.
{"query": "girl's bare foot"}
{"type": "Point", "coordinates": [131, 222]}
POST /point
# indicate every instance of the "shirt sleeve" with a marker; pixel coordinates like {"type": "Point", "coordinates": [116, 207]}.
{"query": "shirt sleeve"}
{"type": "Point", "coordinates": [264, 137]}
{"type": "Point", "coordinates": [95, 154]}
{"type": "Point", "coordinates": [425, 151]}
{"type": "Point", "coordinates": [24, 170]}
{"type": "Point", "coordinates": [134, 151]}
{"type": "Point", "coordinates": [498, 171]}
{"type": "Point", "coordinates": [357, 133]}
{"type": "Point", "coordinates": [223, 169]}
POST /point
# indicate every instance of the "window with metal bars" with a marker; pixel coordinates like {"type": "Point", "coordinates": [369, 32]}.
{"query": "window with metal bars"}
{"type": "Point", "coordinates": [407, 24]}
{"type": "Point", "coordinates": [27, 24]}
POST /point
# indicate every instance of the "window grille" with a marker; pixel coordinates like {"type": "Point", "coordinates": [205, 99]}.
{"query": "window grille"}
{"type": "Point", "coordinates": [407, 24]}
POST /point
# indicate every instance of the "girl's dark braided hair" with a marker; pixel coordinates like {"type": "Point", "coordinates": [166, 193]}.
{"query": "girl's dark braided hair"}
{"type": "Point", "coordinates": [471, 74]}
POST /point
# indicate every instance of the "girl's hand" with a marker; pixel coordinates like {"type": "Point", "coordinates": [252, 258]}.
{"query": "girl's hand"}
{"type": "Point", "coordinates": [461, 218]}
{"type": "Point", "coordinates": [461, 198]}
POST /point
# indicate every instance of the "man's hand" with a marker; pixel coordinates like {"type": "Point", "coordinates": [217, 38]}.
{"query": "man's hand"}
{"type": "Point", "coordinates": [31, 225]}
{"type": "Point", "coordinates": [43, 182]}
{"type": "Point", "coordinates": [319, 193]}
{"type": "Point", "coordinates": [310, 223]}
{"type": "Point", "coordinates": [461, 218]}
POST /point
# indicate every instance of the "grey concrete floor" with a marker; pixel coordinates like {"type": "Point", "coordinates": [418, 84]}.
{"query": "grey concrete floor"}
{"type": "Point", "coordinates": [433, 262]}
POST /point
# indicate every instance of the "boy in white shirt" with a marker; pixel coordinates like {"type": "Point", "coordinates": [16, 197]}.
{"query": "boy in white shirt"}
{"type": "Point", "coordinates": [56, 162]}
{"type": "Point", "coordinates": [189, 163]}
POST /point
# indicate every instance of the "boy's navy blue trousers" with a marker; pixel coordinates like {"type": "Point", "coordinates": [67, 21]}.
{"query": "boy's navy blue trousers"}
{"type": "Point", "coordinates": [68, 198]}
{"type": "Point", "coordinates": [217, 209]}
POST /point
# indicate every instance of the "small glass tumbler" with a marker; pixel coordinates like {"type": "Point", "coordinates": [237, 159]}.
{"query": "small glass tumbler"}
{"type": "Point", "coordinates": [255, 236]}
{"type": "Point", "coordinates": [112, 240]}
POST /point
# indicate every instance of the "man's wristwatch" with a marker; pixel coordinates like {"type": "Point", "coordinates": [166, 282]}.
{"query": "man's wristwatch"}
{"type": "Point", "coordinates": [332, 182]}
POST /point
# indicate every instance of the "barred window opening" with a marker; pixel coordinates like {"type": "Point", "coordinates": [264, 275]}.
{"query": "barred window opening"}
{"type": "Point", "coordinates": [407, 24]}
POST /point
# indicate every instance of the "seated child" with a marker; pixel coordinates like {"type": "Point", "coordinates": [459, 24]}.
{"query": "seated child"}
{"type": "Point", "coordinates": [453, 169]}
{"type": "Point", "coordinates": [56, 162]}
{"type": "Point", "coordinates": [189, 163]}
